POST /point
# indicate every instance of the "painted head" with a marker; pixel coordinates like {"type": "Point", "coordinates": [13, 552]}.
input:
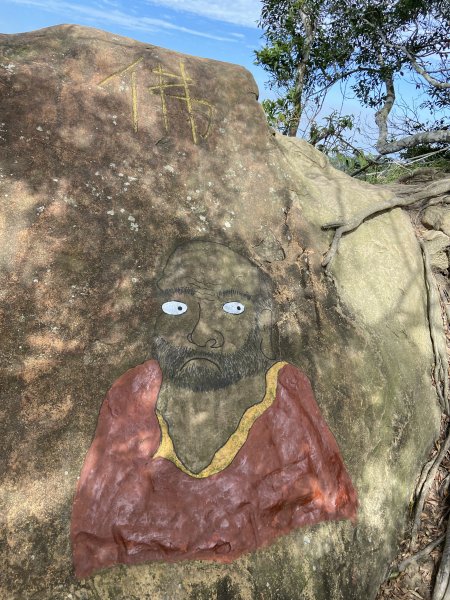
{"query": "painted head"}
{"type": "Point", "coordinates": [214, 328]}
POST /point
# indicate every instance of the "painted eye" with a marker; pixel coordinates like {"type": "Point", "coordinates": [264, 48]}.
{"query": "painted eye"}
{"type": "Point", "coordinates": [234, 308]}
{"type": "Point", "coordinates": [174, 307]}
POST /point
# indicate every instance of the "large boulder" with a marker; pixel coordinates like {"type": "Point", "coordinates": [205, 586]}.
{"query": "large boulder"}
{"type": "Point", "coordinates": [104, 171]}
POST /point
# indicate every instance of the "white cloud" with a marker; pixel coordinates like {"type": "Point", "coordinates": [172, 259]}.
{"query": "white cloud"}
{"type": "Point", "coordinates": [98, 15]}
{"type": "Point", "coordinates": [238, 12]}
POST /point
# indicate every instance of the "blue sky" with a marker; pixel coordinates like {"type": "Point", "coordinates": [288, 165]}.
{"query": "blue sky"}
{"type": "Point", "coordinates": [210, 28]}
{"type": "Point", "coordinates": [215, 29]}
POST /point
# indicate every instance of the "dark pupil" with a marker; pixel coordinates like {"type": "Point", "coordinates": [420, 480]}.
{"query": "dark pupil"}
{"type": "Point", "coordinates": [180, 308]}
{"type": "Point", "coordinates": [239, 307]}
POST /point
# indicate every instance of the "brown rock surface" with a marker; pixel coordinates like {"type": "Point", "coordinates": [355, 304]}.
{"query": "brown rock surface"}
{"type": "Point", "coordinates": [102, 175]}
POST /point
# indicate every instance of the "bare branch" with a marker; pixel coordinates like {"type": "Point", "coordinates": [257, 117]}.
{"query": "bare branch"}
{"type": "Point", "coordinates": [340, 76]}
{"type": "Point", "coordinates": [370, 163]}
{"type": "Point", "coordinates": [427, 137]}
{"type": "Point", "coordinates": [413, 60]}
{"type": "Point", "coordinates": [384, 147]}
{"type": "Point", "coordinates": [381, 117]}
{"type": "Point", "coordinates": [441, 85]}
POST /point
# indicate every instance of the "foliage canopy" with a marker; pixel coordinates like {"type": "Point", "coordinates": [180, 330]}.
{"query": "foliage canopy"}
{"type": "Point", "coordinates": [312, 45]}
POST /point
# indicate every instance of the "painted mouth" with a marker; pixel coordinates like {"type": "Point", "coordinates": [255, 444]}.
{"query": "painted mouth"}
{"type": "Point", "coordinates": [200, 358]}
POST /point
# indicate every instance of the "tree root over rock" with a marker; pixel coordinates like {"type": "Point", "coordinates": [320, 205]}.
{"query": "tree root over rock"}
{"type": "Point", "coordinates": [412, 197]}
{"type": "Point", "coordinates": [424, 553]}
{"type": "Point", "coordinates": [425, 482]}
{"type": "Point", "coordinates": [415, 197]}
{"type": "Point", "coordinates": [442, 586]}
{"type": "Point", "coordinates": [439, 350]}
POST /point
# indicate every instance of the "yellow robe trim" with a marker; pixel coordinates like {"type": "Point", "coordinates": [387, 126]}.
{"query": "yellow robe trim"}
{"type": "Point", "coordinates": [224, 456]}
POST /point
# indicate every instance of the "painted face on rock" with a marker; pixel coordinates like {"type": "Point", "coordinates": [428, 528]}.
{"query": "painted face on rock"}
{"type": "Point", "coordinates": [214, 308]}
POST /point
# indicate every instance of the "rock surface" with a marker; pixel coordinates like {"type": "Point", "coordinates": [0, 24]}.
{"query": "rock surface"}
{"type": "Point", "coordinates": [102, 175]}
{"type": "Point", "coordinates": [437, 244]}
{"type": "Point", "coordinates": [437, 217]}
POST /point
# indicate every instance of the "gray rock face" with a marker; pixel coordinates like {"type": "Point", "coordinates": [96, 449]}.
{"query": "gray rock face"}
{"type": "Point", "coordinates": [103, 173]}
{"type": "Point", "coordinates": [437, 244]}
{"type": "Point", "coordinates": [437, 217]}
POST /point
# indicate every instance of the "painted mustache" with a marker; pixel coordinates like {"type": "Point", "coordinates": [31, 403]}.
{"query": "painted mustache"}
{"type": "Point", "coordinates": [183, 366]}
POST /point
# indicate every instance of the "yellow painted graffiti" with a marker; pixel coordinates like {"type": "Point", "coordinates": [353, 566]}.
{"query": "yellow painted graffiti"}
{"type": "Point", "coordinates": [167, 82]}
{"type": "Point", "coordinates": [134, 97]}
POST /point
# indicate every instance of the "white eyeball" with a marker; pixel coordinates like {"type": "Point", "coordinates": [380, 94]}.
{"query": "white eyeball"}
{"type": "Point", "coordinates": [234, 308]}
{"type": "Point", "coordinates": [174, 307]}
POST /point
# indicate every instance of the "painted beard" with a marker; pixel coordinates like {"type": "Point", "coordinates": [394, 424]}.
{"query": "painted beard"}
{"type": "Point", "coordinates": [201, 371]}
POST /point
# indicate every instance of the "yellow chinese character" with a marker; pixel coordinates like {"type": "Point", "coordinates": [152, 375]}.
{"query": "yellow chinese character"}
{"type": "Point", "coordinates": [169, 80]}
{"type": "Point", "coordinates": [131, 69]}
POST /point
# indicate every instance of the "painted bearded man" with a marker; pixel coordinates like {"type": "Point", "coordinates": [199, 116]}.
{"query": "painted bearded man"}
{"type": "Point", "coordinates": [212, 449]}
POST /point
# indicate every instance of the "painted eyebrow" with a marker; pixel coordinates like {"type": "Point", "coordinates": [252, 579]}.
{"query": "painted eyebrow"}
{"type": "Point", "coordinates": [233, 293]}
{"type": "Point", "coordinates": [183, 290]}
{"type": "Point", "coordinates": [191, 292]}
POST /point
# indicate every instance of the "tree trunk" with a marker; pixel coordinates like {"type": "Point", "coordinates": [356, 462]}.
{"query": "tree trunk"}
{"type": "Point", "coordinates": [310, 31]}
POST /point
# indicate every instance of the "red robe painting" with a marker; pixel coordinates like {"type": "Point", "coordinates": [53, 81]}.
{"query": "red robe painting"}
{"type": "Point", "coordinates": [136, 501]}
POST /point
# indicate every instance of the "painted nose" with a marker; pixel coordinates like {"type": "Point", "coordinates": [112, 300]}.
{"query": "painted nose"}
{"type": "Point", "coordinates": [204, 336]}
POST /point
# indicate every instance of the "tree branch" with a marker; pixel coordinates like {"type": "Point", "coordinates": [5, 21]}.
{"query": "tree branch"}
{"type": "Point", "coordinates": [381, 116]}
{"type": "Point", "coordinates": [370, 163]}
{"type": "Point", "coordinates": [427, 137]}
{"type": "Point", "coordinates": [441, 85]}
{"type": "Point", "coordinates": [310, 31]}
